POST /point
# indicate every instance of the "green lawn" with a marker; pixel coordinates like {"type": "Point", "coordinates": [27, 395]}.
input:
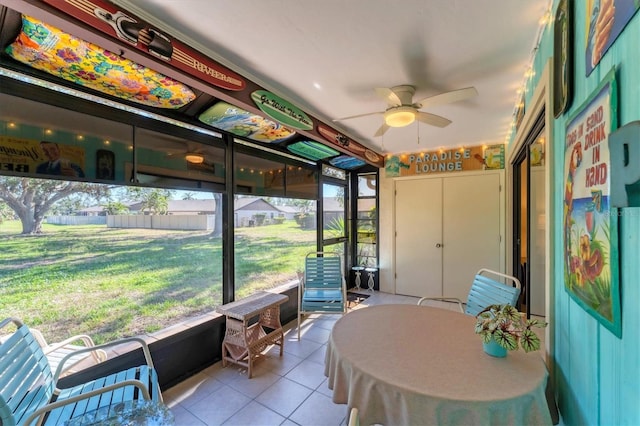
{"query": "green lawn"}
{"type": "Point", "coordinates": [111, 283]}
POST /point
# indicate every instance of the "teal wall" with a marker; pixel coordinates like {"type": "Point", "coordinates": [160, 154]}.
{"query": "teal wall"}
{"type": "Point", "coordinates": [597, 375]}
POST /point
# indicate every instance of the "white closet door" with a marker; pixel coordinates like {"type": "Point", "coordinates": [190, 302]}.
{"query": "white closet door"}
{"type": "Point", "coordinates": [418, 232]}
{"type": "Point", "coordinates": [471, 230]}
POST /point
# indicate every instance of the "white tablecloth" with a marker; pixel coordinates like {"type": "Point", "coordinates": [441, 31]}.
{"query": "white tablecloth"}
{"type": "Point", "coordinates": [417, 365]}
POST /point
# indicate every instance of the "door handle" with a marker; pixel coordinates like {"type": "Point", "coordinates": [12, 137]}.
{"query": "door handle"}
{"type": "Point", "coordinates": [438, 245]}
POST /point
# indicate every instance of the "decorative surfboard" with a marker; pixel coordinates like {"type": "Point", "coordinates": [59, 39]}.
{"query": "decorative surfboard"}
{"type": "Point", "coordinates": [240, 122]}
{"type": "Point", "coordinates": [312, 150]}
{"type": "Point", "coordinates": [350, 145]}
{"type": "Point", "coordinates": [47, 48]}
{"type": "Point", "coordinates": [282, 111]}
{"type": "Point", "coordinates": [123, 25]}
{"type": "Point", "coordinates": [346, 162]}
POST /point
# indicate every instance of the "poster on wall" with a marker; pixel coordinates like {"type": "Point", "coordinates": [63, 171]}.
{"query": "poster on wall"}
{"type": "Point", "coordinates": [590, 224]}
{"type": "Point", "coordinates": [606, 20]}
{"type": "Point", "coordinates": [41, 157]}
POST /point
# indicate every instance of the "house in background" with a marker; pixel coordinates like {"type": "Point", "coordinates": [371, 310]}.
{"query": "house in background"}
{"type": "Point", "coordinates": [248, 211]}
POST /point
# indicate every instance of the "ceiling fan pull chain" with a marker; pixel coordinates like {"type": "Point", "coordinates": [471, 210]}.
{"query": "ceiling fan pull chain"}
{"type": "Point", "coordinates": [418, 132]}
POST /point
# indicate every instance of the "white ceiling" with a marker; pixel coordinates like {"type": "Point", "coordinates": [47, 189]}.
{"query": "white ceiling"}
{"type": "Point", "coordinates": [327, 56]}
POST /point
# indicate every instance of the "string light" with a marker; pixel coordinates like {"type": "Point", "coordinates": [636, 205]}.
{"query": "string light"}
{"type": "Point", "coordinates": [529, 73]}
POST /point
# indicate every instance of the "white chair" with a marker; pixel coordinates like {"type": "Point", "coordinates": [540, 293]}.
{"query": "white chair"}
{"type": "Point", "coordinates": [55, 352]}
{"type": "Point", "coordinates": [354, 420]}
{"type": "Point", "coordinates": [485, 291]}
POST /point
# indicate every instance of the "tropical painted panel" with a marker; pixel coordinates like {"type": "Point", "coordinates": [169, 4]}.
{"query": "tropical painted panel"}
{"type": "Point", "coordinates": [49, 49]}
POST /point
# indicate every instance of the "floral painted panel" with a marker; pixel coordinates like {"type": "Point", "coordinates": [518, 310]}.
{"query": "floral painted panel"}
{"type": "Point", "coordinates": [48, 49]}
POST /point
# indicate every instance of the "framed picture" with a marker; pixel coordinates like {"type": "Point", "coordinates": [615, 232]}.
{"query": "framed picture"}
{"type": "Point", "coordinates": [605, 21]}
{"type": "Point", "coordinates": [591, 266]}
{"type": "Point", "coordinates": [563, 57]}
{"type": "Point", "coordinates": [105, 165]}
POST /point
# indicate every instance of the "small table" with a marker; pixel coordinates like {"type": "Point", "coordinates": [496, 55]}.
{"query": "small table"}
{"type": "Point", "coordinates": [371, 280]}
{"type": "Point", "coordinates": [243, 342]}
{"type": "Point", "coordinates": [408, 364]}
{"type": "Point", "coordinates": [358, 271]}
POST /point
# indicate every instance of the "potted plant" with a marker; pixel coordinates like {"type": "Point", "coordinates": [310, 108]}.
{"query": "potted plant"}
{"type": "Point", "coordinates": [503, 328]}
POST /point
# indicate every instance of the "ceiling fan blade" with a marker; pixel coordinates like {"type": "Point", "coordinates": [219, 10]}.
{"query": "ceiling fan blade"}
{"type": "Point", "coordinates": [389, 96]}
{"type": "Point", "coordinates": [448, 97]}
{"type": "Point", "coordinates": [432, 119]}
{"type": "Point", "coordinates": [382, 130]}
{"type": "Point", "coordinates": [357, 116]}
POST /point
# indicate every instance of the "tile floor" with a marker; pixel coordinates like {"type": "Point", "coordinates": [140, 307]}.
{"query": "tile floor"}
{"type": "Point", "coordinates": [291, 390]}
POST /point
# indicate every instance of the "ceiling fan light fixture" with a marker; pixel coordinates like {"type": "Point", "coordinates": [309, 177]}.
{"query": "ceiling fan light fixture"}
{"type": "Point", "coordinates": [194, 158]}
{"type": "Point", "coordinates": [400, 116]}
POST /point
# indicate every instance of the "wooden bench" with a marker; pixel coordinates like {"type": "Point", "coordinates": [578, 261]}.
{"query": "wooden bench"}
{"type": "Point", "coordinates": [28, 388]}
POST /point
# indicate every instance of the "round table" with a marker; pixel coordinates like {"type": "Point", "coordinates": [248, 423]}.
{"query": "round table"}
{"type": "Point", "coordinates": [408, 364]}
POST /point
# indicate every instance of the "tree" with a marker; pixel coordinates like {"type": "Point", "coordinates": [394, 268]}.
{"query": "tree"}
{"type": "Point", "coordinates": [116, 207]}
{"type": "Point", "coordinates": [5, 212]}
{"type": "Point", "coordinates": [154, 200]}
{"type": "Point", "coordinates": [31, 199]}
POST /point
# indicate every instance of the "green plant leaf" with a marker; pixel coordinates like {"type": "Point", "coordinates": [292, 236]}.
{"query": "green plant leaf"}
{"type": "Point", "coordinates": [506, 340]}
{"type": "Point", "coordinates": [529, 341]}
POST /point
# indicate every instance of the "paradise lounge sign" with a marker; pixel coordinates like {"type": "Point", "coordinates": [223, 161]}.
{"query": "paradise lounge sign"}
{"type": "Point", "coordinates": [446, 161]}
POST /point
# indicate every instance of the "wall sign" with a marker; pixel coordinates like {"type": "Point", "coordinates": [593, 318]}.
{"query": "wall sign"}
{"type": "Point", "coordinates": [590, 224]}
{"type": "Point", "coordinates": [605, 21]}
{"type": "Point", "coordinates": [446, 161]}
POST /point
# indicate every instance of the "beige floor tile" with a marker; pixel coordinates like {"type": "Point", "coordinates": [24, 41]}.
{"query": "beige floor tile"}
{"type": "Point", "coordinates": [318, 409]}
{"type": "Point", "coordinates": [284, 396]}
{"type": "Point", "coordinates": [254, 414]}
{"type": "Point", "coordinates": [307, 373]}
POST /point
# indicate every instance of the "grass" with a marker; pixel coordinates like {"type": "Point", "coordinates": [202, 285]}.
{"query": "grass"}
{"type": "Point", "coordinates": [111, 283]}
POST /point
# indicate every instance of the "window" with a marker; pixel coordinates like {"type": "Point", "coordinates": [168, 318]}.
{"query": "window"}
{"type": "Point", "coordinates": [129, 247]}
{"type": "Point", "coordinates": [367, 221]}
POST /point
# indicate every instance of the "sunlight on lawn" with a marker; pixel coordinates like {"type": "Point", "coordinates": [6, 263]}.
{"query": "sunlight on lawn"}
{"type": "Point", "coordinates": [110, 282]}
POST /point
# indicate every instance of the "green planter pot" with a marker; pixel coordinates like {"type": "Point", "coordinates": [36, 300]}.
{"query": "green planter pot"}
{"type": "Point", "coordinates": [494, 349]}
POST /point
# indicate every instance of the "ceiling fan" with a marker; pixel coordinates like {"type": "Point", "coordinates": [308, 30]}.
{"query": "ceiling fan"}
{"type": "Point", "coordinates": [402, 111]}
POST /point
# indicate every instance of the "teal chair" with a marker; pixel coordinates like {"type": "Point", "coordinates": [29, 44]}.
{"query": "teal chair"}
{"type": "Point", "coordinates": [486, 290]}
{"type": "Point", "coordinates": [322, 288]}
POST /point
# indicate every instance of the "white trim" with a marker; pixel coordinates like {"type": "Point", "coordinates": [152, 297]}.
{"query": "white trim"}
{"type": "Point", "coordinates": [542, 98]}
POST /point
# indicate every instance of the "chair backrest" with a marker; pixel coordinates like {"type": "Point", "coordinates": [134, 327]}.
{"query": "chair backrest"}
{"type": "Point", "coordinates": [486, 291]}
{"type": "Point", "coordinates": [26, 380]}
{"type": "Point", "coordinates": [323, 271]}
